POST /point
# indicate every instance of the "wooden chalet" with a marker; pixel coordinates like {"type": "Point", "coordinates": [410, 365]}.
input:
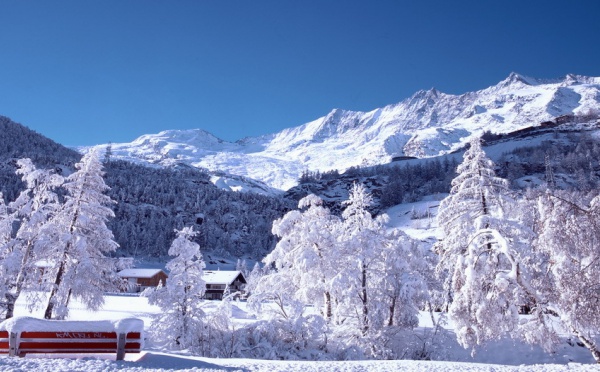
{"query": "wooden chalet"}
{"type": "Point", "coordinates": [140, 279]}
{"type": "Point", "coordinates": [221, 283]}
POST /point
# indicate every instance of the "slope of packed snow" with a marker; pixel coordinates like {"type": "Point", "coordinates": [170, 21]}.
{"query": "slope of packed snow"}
{"type": "Point", "coordinates": [427, 124]}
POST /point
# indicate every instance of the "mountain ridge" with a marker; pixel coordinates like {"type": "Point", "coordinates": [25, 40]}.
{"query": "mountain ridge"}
{"type": "Point", "coordinates": [427, 124]}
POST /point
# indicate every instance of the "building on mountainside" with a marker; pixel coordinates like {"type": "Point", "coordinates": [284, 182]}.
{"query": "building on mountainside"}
{"type": "Point", "coordinates": [222, 283]}
{"type": "Point", "coordinates": [140, 279]}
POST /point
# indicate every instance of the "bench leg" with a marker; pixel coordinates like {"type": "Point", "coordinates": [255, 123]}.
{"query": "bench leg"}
{"type": "Point", "coordinates": [121, 346]}
{"type": "Point", "coordinates": [12, 345]}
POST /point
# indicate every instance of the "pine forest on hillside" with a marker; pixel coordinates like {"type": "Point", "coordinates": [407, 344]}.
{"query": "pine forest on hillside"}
{"type": "Point", "coordinates": [153, 202]}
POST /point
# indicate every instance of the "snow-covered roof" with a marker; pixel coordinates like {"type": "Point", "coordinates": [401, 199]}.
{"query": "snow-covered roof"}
{"type": "Point", "coordinates": [220, 277]}
{"type": "Point", "coordinates": [138, 273]}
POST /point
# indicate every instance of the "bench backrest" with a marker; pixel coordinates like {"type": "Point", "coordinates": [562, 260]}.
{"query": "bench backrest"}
{"type": "Point", "coordinates": [20, 344]}
{"type": "Point", "coordinates": [23, 335]}
{"type": "Point", "coordinates": [4, 347]}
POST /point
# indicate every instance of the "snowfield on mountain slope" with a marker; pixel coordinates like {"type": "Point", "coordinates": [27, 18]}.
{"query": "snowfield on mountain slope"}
{"type": "Point", "coordinates": [427, 124]}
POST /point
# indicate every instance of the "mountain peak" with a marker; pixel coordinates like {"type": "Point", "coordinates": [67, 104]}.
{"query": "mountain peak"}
{"type": "Point", "coordinates": [431, 92]}
{"type": "Point", "coordinates": [580, 79]}
{"type": "Point", "coordinates": [516, 78]}
{"type": "Point", "coordinates": [429, 123]}
{"type": "Point", "coordinates": [180, 136]}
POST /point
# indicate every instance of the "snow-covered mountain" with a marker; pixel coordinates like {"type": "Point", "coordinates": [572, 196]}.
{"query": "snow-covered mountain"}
{"type": "Point", "coordinates": [429, 123]}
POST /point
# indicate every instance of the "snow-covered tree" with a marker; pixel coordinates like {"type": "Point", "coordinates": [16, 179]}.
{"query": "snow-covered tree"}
{"type": "Point", "coordinates": [6, 222]}
{"type": "Point", "coordinates": [482, 254]}
{"type": "Point", "coordinates": [570, 240]}
{"type": "Point", "coordinates": [242, 267]}
{"type": "Point", "coordinates": [402, 286]}
{"type": "Point", "coordinates": [378, 285]}
{"type": "Point", "coordinates": [362, 243]}
{"type": "Point", "coordinates": [77, 242]}
{"type": "Point", "coordinates": [276, 288]}
{"type": "Point", "coordinates": [253, 278]}
{"type": "Point", "coordinates": [303, 259]}
{"type": "Point", "coordinates": [29, 213]}
{"type": "Point", "coordinates": [364, 280]}
{"type": "Point", "coordinates": [180, 298]}
{"type": "Point", "coordinates": [6, 227]}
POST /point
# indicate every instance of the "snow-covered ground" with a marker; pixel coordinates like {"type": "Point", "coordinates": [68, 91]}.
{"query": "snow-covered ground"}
{"type": "Point", "coordinates": [501, 356]}
{"type": "Point", "coordinates": [156, 361]}
{"type": "Point", "coordinates": [417, 219]}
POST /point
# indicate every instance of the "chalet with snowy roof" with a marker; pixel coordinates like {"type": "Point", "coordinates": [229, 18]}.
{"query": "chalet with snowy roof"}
{"type": "Point", "coordinates": [221, 283]}
{"type": "Point", "coordinates": [140, 279]}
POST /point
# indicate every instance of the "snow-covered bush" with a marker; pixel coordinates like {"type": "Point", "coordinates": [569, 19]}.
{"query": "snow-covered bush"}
{"type": "Point", "coordinates": [302, 338]}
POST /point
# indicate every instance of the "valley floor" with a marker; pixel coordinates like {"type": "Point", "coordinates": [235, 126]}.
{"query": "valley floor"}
{"type": "Point", "coordinates": [159, 362]}
{"type": "Point", "coordinates": [502, 356]}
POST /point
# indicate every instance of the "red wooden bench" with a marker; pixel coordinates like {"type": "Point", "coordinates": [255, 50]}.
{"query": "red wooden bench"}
{"type": "Point", "coordinates": [27, 336]}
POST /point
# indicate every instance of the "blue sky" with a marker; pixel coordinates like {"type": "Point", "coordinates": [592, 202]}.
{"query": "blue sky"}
{"type": "Point", "coordinates": [86, 72]}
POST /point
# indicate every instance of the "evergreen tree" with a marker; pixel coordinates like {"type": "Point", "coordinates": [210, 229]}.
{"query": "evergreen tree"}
{"type": "Point", "coordinates": [108, 153]}
{"type": "Point", "coordinates": [180, 298]}
{"type": "Point", "coordinates": [78, 242]}
{"type": "Point", "coordinates": [482, 254]}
